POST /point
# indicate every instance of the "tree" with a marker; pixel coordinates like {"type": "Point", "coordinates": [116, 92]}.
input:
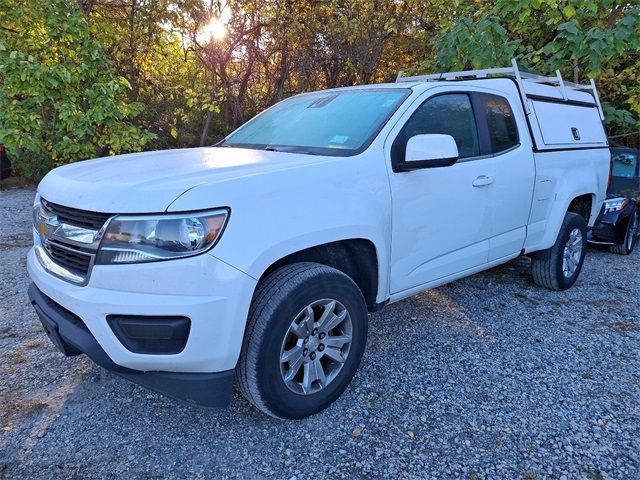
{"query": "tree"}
{"type": "Point", "coordinates": [82, 78]}
{"type": "Point", "coordinates": [59, 98]}
{"type": "Point", "coordinates": [583, 39]}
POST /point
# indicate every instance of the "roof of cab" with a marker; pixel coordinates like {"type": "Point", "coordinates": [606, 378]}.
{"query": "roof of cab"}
{"type": "Point", "coordinates": [531, 88]}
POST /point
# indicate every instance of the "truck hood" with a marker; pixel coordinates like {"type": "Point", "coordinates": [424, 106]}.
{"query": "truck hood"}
{"type": "Point", "coordinates": [149, 182]}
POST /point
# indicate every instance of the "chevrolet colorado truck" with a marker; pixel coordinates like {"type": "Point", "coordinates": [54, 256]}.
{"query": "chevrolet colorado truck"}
{"type": "Point", "coordinates": [256, 260]}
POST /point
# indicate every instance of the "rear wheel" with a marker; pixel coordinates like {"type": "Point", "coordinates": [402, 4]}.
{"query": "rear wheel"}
{"type": "Point", "coordinates": [558, 267]}
{"type": "Point", "coordinates": [305, 337]}
{"type": "Point", "coordinates": [630, 237]}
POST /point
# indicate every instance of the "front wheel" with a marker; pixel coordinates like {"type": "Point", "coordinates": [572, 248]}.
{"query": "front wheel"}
{"type": "Point", "coordinates": [305, 337]}
{"type": "Point", "coordinates": [630, 236]}
{"type": "Point", "coordinates": [558, 267]}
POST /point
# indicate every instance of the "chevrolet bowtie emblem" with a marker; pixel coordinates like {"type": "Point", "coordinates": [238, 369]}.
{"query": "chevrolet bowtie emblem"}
{"type": "Point", "coordinates": [46, 224]}
{"type": "Point", "coordinates": [42, 228]}
{"type": "Point", "coordinates": [49, 227]}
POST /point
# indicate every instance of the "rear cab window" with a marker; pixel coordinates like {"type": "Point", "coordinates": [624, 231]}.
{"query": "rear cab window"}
{"type": "Point", "coordinates": [501, 126]}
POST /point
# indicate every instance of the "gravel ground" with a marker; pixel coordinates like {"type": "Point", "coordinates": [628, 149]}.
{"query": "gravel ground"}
{"type": "Point", "coordinates": [488, 377]}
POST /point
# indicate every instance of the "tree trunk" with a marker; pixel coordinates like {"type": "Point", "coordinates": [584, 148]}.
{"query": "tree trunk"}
{"type": "Point", "coordinates": [205, 129]}
{"type": "Point", "coordinates": [283, 75]}
{"type": "Point", "coordinates": [132, 73]}
{"type": "Point", "coordinates": [85, 6]}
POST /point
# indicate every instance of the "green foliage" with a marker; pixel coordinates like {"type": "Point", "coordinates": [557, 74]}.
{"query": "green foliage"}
{"type": "Point", "coordinates": [620, 118]}
{"type": "Point", "coordinates": [59, 98]}
{"type": "Point", "coordinates": [583, 39]}
{"type": "Point", "coordinates": [459, 48]}
{"type": "Point", "coordinates": [124, 75]}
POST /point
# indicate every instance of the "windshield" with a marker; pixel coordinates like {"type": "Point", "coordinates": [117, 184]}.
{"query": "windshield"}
{"type": "Point", "coordinates": [339, 123]}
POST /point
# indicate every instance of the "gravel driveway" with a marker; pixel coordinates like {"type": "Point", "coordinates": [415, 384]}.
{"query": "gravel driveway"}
{"type": "Point", "coordinates": [488, 377]}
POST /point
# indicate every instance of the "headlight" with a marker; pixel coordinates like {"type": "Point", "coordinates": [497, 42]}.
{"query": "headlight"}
{"type": "Point", "coordinates": [37, 211]}
{"type": "Point", "coordinates": [136, 239]}
{"type": "Point", "coordinates": [615, 205]}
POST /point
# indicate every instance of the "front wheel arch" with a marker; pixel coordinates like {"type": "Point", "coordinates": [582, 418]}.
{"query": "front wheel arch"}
{"type": "Point", "coordinates": [357, 258]}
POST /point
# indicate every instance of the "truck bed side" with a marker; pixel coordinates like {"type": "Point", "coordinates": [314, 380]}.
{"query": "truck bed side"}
{"type": "Point", "coordinates": [571, 156]}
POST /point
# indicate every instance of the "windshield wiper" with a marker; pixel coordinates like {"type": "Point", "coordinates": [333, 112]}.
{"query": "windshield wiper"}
{"type": "Point", "coordinates": [287, 149]}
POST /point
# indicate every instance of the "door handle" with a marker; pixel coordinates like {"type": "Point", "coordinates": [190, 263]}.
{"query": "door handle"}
{"type": "Point", "coordinates": [482, 181]}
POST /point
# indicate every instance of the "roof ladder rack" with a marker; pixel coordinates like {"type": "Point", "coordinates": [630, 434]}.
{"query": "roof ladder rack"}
{"type": "Point", "coordinates": [520, 77]}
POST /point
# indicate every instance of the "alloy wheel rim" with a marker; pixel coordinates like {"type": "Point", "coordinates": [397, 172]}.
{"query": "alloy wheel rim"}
{"type": "Point", "coordinates": [316, 346]}
{"type": "Point", "coordinates": [572, 253]}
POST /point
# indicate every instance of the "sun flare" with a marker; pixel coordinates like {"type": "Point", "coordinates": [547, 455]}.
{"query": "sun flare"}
{"type": "Point", "coordinates": [214, 30]}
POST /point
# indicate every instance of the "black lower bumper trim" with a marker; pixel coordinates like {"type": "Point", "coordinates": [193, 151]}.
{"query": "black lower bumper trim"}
{"type": "Point", "coordinates": [71, 336]}
{"type": "Point", "coordinates": [209, 390]}
{"type": "Point", "coordinates": [604, 233]}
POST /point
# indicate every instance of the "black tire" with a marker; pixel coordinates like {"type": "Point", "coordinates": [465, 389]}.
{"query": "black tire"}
{"type": "Point", "coordinates": [630, 236]}
{"type": "Point", "coordinates": [277, 301]}
{"type": "Point", "coordinates": [546, 265]}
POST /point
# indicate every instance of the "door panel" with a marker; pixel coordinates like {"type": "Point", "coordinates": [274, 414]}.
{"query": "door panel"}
{"type": "Point", "coordinates": [513, 193]}
{"type": "Point", "coordinates": [441, 221]}
{"type": "Point", "coordinates": [441, 224]}
{"type": "Point", "coordinates": [513, 168]}
{"type": "Point", "coordinates": [506, 244]}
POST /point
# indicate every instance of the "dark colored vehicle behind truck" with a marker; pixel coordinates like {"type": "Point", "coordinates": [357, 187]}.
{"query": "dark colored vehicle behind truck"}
{"type": "Point", "coordinates": [5, 164]}
{"type": "Point", "coordinates": [617, 224]}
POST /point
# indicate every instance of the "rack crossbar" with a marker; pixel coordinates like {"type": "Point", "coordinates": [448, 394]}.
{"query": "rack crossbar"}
{"type": "Point", "coordinates": [512, 71]}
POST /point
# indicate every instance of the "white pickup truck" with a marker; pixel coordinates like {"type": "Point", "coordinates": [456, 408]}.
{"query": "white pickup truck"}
{"type": "Point", "coordinates": [257, 260]}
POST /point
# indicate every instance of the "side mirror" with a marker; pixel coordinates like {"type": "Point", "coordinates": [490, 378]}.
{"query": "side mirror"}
{"type": "Point", "coordinates": [429, 151]}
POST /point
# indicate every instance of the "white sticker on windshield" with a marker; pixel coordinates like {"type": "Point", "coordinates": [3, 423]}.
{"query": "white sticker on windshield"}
{"type": "Point", "coordinates": [339, 139]}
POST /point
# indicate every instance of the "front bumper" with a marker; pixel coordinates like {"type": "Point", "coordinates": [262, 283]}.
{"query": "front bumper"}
{"type": "Point", "coordinates": [71, 336]}
{"type": "Point", "coordinates": [212, 294]}
{"type": "Point", "coordinates": [611, 228]}
{"type": "Point", "coordinates": [603, 233]}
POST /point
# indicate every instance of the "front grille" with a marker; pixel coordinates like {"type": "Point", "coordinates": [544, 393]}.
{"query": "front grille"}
{"type": "Point", "coordinates": [68, 258]}
{"type": "Point", "coordinates": [74, 216]}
